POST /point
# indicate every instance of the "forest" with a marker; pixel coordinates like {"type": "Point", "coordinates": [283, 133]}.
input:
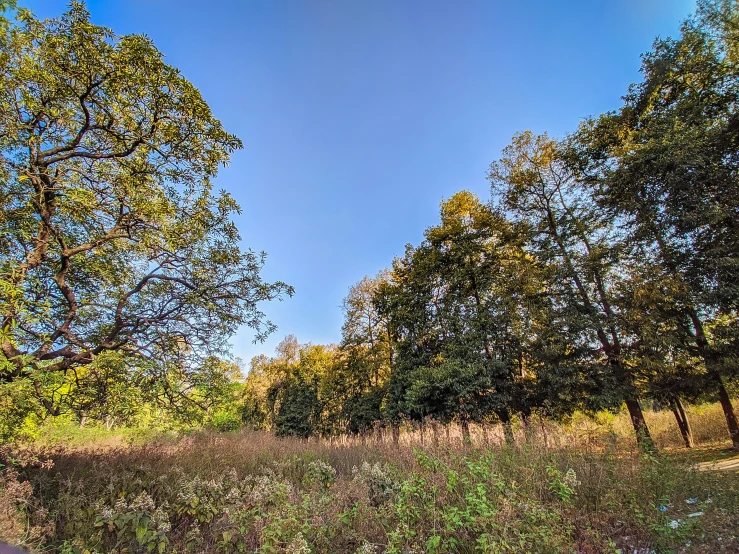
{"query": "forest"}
{"type": "Point", "coordinates": [598, 280]}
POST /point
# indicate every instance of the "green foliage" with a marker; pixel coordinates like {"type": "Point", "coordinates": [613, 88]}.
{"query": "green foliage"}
{"type": "Point", "coordinates": [138, 521]}
{"type": "Point", "coordinates": [113, 240]}
{"type": "Point", "coordinates": [666, 164]}
{"type": "Point", "coordinates": [19, 411]}
{"type": "Point", "coordinates": [225, 420]}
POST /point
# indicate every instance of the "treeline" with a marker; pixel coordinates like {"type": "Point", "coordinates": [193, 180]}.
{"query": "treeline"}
{"type": "Point", "coordinates": [603, 271]}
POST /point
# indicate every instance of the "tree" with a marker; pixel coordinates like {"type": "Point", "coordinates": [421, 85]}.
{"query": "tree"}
{"type": "Point", "coordinates": [668, 163]}
{"type": "Point", "coordinates": [365, 332]}
{"type": "Point", "coordinates": [463, 308]}
{"type": "Point", "coordinates": [112, 238]}
{"type": "Point", "coordinates": [358, 379]}
{"type": "Point", "coordinates": [292, 393]}
{"type": "Point", "coordinates": [533, 181]}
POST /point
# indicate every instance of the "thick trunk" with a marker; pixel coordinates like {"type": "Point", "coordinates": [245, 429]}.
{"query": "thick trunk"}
{"type": "Point", "coordinates": [643, 438]}
{"type": "Point", "coordinates": [682, 422]}
{"type": "Point", "coordinates": [396, 434]}
{"type": "Point", "coordinates": [709, 357]}
{"type": "Point", "coordinates": [466, 437]}
{"type": "Point", "coordinates": [728, 408]}
{"type": "Point", "coordinates": [505, 420]}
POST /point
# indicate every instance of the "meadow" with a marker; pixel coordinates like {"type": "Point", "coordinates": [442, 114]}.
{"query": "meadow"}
{"type": "Point", "coordinates": [578, 487]}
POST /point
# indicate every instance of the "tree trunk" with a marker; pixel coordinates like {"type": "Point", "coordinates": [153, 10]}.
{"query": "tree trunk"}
{"type": "Point", "coordinates": [686, 421]}
{"type": "Point", "coordinates": [682, 421]}
{"type": "Point", "coordinates": [83, 421]}
{"type": "Point", "coordinates": [435, 432]}
{"type": "Point", "coordinates": [484, 432]}
{"type": "Point", "coordinates": [505, 419]}
{"type": "Point", "coordinates": [528, 428]}
{"type": "Point", "coordinates": [466, 437]}
{"type": "Point", "coordinates": [709, 357]}
{"type": "Point", "coordinates": [643, 438]}
{"type": "Point", "coordinates": [728, 408]}
{"type": "Point", "coordinates": [396, 433]}
{"type": "Point", "coordinates": [544, 432]}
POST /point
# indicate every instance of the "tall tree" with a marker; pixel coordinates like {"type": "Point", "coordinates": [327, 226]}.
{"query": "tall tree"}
{"type": "Point", "coordinates": [358, 380]}
{"type": "Point", "coordinates": [534, 183]}
{"type": "Point", "coordinates": [111, 237]}
{"type": "Point", "coordinates": [668, 162]}
{"type": "Point", "coordinates": [461, 309]}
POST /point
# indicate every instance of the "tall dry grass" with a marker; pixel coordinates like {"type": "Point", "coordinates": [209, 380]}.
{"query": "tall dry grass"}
{"type": "Point", "coordinates": [580, 486]}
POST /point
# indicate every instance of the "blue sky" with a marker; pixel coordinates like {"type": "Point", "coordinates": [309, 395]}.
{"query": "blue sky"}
{"type": "Point", "coordinates": [359, 116]}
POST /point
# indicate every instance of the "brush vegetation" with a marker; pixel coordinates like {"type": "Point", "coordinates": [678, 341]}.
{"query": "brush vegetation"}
{"type": "Point", "coordinates": [581, 487]}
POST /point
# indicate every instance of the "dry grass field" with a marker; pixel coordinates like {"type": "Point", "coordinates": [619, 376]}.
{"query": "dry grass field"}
{"type": "Point", "coordinates": [576, 487]}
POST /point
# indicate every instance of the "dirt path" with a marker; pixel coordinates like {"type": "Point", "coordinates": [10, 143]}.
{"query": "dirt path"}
{"type": "Point", "coordinates": [732, 464]}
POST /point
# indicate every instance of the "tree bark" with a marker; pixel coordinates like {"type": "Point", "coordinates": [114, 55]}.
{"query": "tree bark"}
{"type": "Point", "coordinates": [466, 437]}
{"type": "Point", "coordinates": [682, 421]}
{"type": "Point", "coordinates": [505, 419]}
{"type": "Point", "coordinates": [728, 408]}
{"type": "Point", "coordinates": [528, 428]}
{"type": "Point", "coordinates": [484, 432]}
{"type": "Point", "coordinates": [643, 438]}
{"type": "Point", "coordinates": [686, 421]}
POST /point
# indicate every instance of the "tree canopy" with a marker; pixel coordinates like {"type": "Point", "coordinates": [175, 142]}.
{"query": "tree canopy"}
{"type": "Point", "coordinates": [112, 237]}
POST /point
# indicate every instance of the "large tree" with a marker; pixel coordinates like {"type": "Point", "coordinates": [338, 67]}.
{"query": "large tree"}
{"type": "Point", "coordinates": [111, 236]}
{"type": "Point", "coordinates": [470, 322]}
{"type": "Point", "coordinates": [535, 184]}
{"type": "Point", "coordinates": [668, 163]}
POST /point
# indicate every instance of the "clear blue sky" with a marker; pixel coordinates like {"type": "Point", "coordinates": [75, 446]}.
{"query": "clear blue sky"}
{"type": "Point", "coordinates": [359, 116]}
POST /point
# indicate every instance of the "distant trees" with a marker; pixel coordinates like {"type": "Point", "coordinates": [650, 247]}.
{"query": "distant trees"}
{"type": "Point", "coordinates": [286, 394]}
{"type": "Point", "coordinates": [604, 271]}
{"type": "Point", "coordinates": [112, 239]}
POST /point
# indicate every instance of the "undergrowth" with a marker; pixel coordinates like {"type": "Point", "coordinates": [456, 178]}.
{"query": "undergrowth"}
{"type": "Point", "coordinates": [579, 488]}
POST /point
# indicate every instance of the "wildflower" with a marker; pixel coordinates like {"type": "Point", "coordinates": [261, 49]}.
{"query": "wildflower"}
{"type": "Point", "coordinates": [298, 545]}
{"type": "Point", "coordinates": [366, 548]}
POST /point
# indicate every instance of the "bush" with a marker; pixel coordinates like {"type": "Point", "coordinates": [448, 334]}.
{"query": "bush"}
{"type": "Point", "coordinates": [225, 420]}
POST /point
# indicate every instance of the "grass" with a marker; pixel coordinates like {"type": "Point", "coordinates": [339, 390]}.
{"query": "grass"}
{"type": "Point", "coordinates": [580, 487]}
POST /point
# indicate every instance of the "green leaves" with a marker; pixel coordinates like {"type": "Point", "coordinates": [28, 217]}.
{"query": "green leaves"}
{"type": "Point", "coordinates": [112, 237]}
